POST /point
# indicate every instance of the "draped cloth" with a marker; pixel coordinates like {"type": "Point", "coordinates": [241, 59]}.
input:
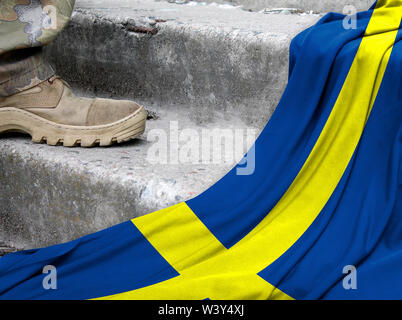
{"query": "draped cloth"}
{"type": "Point", "coordinates": [326, 195]}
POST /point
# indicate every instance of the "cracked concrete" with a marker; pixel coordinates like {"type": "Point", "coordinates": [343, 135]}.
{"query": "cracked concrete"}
{"type": "Point", "coordinates": [212, 60]}
{"type": "Point", "coordinates": [321, 6]}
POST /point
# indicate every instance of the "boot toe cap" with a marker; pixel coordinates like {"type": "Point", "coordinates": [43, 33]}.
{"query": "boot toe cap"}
{"type": "Point", "coordinates": [105, 111]}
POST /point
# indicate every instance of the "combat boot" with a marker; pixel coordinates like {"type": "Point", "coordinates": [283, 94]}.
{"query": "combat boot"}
{"type": "Point", "coordinates": [50, 112]}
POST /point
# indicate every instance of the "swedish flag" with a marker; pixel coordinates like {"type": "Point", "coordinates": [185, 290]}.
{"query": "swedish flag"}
{"type": "Point", "coordinates": [326, 193]}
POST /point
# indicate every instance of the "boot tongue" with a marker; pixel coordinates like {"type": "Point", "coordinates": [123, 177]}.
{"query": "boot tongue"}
{"type": "Point", "coordinates": [45, 95]}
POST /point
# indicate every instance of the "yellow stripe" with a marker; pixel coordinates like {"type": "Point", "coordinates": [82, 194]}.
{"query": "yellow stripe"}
{"type": "Point", "coordinates": [207, 269]}
{"type": "Point", "coordinates": [179, 235]}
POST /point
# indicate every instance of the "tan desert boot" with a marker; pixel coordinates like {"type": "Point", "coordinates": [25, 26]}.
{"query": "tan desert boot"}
{"type": "Point", "coordinates": [51, 112]}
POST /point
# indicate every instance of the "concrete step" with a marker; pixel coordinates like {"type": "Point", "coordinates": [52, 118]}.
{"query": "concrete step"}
{"type": "Point", "coordinates": [211, 59]}
{"type": "Point", "coordinates": [321, 6]}
{"type": "Point", "coordinates": [5, 249]}
{"type": "Point", "coordinates": [50, 195]}
{"type": "Point", "coordinates": [196, 67]}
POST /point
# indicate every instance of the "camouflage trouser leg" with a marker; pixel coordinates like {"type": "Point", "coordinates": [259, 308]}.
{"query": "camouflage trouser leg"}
{"type": "Point", "coordinates": [26, 26]}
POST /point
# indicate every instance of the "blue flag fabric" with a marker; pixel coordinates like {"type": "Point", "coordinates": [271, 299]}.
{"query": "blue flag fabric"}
{"type": "Point", "coordinates": [320, 218]}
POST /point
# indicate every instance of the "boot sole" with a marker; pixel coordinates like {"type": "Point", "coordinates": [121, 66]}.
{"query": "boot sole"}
{"type": "Point", "coordinates": [42, 130]}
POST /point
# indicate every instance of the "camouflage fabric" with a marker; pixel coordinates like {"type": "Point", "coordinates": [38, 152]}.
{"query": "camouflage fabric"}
{"type": "Point", "coordinates": [25, 27]}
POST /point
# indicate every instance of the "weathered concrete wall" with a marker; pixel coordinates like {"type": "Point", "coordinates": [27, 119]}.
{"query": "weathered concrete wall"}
{"type": "Point", "coordinates": [44, 203]}
{"type": "Point", "coordinates": [196, 58]}
{"type": "Point", "coordinates": [305, 5]}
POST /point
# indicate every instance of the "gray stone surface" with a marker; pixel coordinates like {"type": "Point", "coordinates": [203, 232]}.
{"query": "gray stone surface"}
{"type": "Point", "coordinates": [50, 195]}
{"type": "Point", "coordinates": [305, 5]}
{"type": "Point", "coordinates": [6, 249]}
{"type": "Point", "coordinates": [208, 58]}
